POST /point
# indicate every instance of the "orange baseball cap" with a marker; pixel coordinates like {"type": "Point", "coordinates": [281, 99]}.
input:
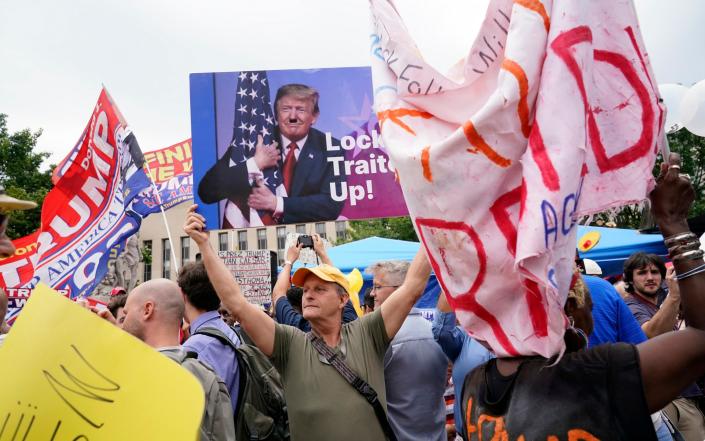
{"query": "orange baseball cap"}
{"type": "Point", "coordinates": [323, 272]}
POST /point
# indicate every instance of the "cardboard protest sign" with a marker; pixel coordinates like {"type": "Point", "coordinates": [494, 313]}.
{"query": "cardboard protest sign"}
{"type": "Point", "coordinates": [171, 170]}
{"type": "Point", "coordinates": [553, 114]}
{"type": "Point", "coordinates": [70, 375]}
{"type": "Point", "coordinates": [166, 163]}
{"type": "Point", "coordinates": [338, 168]}
{"type": "Point", "coordinates": [253, 272]}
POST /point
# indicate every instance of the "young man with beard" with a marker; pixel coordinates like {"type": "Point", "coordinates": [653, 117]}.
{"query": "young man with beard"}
{"type": "Point", "coordinates": [643, 274]}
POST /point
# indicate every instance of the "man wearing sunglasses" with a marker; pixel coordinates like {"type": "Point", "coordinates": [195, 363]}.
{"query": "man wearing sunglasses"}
{"type": "Point", "coordinates": [414, 365]}
{"type": "Point", "coordinates": [7, 249]}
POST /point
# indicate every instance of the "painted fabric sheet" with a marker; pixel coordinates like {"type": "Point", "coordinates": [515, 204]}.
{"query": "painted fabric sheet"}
{"type": "Point", "coordinates": [552, 115]}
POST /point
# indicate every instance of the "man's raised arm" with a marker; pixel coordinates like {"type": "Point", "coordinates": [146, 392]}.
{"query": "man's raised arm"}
{"type": "Point", "coordinates": [284, 277]}
{"type": "Point", "coordinates": [673, 360]}
{"type": "Point", "coordinates": [258, 325]}
{"type": "Point", "coordinates": [399, 303]}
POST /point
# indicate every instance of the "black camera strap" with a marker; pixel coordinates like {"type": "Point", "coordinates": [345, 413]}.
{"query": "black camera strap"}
{"type": "Point", "coordinates": [355, 381]}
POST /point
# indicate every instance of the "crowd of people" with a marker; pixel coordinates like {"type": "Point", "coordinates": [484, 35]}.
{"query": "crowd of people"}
{"type": "Point", "coordinates": [313, 369]}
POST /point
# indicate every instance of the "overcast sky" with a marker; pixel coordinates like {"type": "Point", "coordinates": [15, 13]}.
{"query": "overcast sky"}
{"type": "Point", "coordinates": [54, 54]}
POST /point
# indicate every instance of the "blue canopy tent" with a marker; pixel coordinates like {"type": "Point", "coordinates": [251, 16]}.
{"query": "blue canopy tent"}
{"type": "Point", "coordinates": [616, 245]}
{"type": "Point", "coordinates": [363, 253]}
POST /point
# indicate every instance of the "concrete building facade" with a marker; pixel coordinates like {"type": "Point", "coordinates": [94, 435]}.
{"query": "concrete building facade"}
{"type": "Point", "coordinates": [154, 237]}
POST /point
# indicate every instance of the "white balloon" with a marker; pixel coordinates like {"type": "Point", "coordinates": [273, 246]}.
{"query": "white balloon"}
{"type": "Point", "coordinates": [672, 95]}
{"type": "Point", "coordinates": [693, 109]}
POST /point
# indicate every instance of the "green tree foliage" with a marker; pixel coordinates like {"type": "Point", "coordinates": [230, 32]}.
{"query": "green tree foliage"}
{"type": "Point", "coordinates": [692, 150]}
{"type": "Point", "coordinates": [390, 227]}
{"type": "Point", "coordinates": [20, 174]}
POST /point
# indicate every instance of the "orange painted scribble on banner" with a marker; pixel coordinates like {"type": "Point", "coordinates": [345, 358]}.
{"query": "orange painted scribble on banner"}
{"type": "Point", "coordinates": [425, 163]}
{"type": "Point", "coordinates": [536, 6]}
{"type": "Point", "coordinates": [581, 435]}
{"type": "Point", "coordinates": [500, 433]}
{"type": "Point", "coordinates": [480, 145]}
{"type": "Point", "coordinates": [394, 115]}
{"type": "Point", "coordinates": [523, 106]}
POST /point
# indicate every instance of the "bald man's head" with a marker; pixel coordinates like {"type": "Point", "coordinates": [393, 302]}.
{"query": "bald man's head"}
{"type": "Point", "coordinates": [156, 307]}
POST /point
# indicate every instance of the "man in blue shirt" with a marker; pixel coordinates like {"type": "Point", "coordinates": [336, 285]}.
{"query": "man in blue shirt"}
{"type": "Point", "coordinates": [613, 320]}
{"type": "Point", "coordinates": [463, 351]}
{"type": "Point", "coordinates": [201, 312]}
{"type": "Point", "coordinates": [414, 366]}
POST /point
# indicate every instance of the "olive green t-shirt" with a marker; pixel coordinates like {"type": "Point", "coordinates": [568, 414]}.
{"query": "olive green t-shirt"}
{"type": "Point", "coordinates": [321, 404]}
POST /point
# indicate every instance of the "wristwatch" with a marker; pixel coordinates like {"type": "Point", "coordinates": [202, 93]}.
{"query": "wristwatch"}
{"type": "Point", "coordinates": [288, 262]}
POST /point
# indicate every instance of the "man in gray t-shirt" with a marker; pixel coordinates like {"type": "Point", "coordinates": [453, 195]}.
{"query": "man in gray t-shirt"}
{"type": "Point", "coordinates": [414, 366]}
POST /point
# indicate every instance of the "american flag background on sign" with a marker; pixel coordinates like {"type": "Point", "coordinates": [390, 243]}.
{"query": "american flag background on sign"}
{"type": "Point", "coordinates": [253, 117]}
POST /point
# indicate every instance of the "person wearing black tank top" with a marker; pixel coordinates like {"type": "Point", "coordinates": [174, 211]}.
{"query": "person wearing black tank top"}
{"type": "Point", "coordinates": [606, 392]}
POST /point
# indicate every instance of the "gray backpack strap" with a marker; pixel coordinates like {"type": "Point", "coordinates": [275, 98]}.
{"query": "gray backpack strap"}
{"type": "Point", "coordinates": [356, 382]}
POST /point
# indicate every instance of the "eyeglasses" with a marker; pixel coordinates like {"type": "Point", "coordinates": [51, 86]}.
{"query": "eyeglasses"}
{"type": "Point", "coordinates": [378, 287]}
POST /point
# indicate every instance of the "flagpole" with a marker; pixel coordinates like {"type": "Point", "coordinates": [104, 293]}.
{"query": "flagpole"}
{"type": "Point", "coordinates": [161, 208]}
{"type": "Point", "coordinates": [156, 191]}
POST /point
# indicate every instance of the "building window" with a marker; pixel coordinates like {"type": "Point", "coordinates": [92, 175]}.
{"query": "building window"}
{"type": "Point", "coordinates": [301, 228]}
{"type": "Point", "coordinates": [242, 240]}
{"type": "Point", "coordinates": [166, 259]}
{"type": "Point", "coordinates": [185, 249]}
{"type": "Point", "coordinates": [222, 241]}
{"type": "Point", "coordinates": [321, 229]}
{"type": "Point", "coordinates": [147, 274]}
{"type": "Point", "coordinates": [262, 239]}
{"type": "Point", "coordinates": [281, 238]}
{"type": "Point", "coordinates": [341, 230]}
{"type": "Point", "coordinates": [281, 255]}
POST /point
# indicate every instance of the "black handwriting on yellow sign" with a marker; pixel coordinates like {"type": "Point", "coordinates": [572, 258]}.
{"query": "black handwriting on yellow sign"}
{"type": "Point", "coordinates": [70, 388]}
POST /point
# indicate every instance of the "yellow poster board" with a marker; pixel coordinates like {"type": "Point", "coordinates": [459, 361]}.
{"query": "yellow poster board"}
{"type": "Point", "coordinates": [67, 374]}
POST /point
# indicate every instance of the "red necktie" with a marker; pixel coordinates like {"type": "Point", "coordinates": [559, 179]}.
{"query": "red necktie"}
{"type": "Point", "coordinates": [289, 164]}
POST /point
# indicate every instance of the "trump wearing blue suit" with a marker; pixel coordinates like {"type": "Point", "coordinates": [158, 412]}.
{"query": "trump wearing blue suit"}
{"type": "Point", "coordinates": [301, 157]}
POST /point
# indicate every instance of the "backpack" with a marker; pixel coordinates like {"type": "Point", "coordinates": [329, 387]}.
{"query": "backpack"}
{"type": "Point", "coordinates": [216, 424]}
{"type": "Point", "coordinates": [261, 408]}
